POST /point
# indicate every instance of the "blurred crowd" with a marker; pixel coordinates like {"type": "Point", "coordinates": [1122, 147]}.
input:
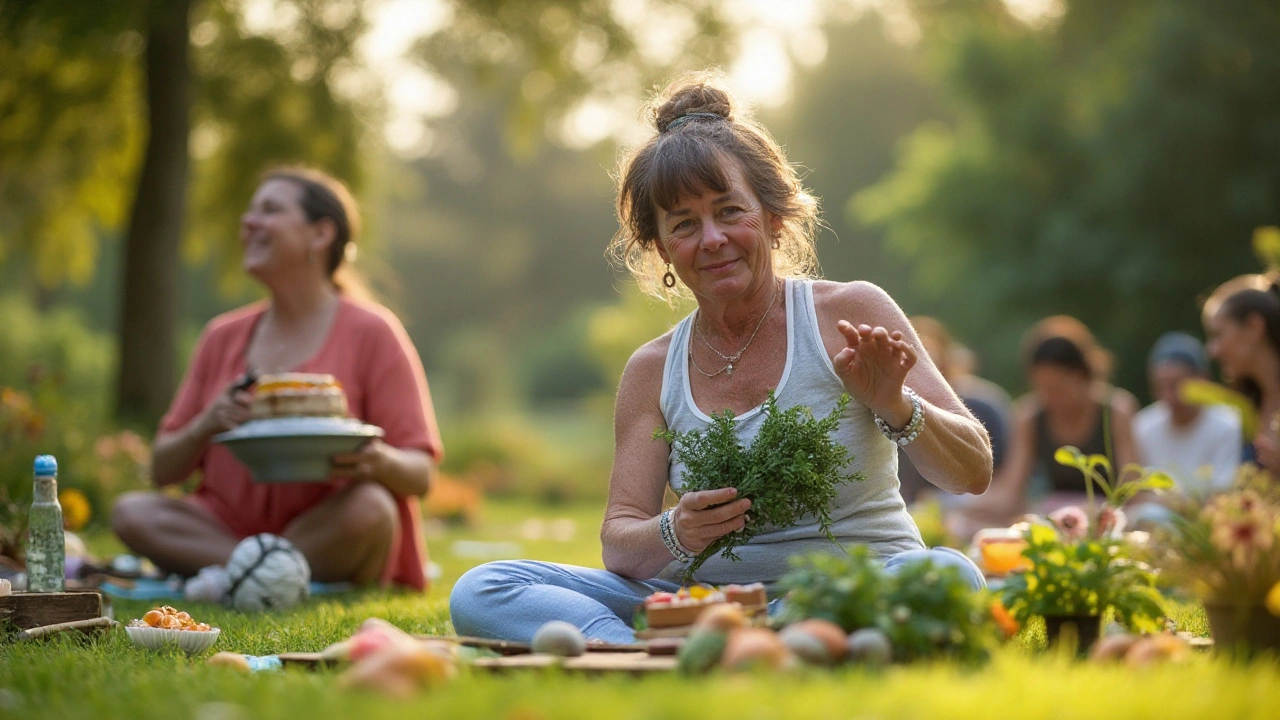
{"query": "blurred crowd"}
{"type": "Point", "coordinates": [1200, 427]}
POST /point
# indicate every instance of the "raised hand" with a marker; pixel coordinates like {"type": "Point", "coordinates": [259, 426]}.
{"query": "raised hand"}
{"type": "Point", "coordinates": [873, 367]}
{"type": "Point", "coordinates": [704, 516]}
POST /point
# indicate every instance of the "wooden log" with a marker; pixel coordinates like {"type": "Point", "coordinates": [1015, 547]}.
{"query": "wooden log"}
{"type": "Point", "coordinates": [22, 611]}
{"type": "Point", "coordinates": [85, 626]}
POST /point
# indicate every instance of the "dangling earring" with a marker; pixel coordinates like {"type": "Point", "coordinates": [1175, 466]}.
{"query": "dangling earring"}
{"type": "Point", "coordinates": [776, 244]}
{"type": "Point", "coordinates": [668, 279]}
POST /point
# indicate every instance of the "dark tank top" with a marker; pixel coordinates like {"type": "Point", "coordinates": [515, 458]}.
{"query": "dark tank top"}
{"type": "Point", "coordinates": [1061, 477]}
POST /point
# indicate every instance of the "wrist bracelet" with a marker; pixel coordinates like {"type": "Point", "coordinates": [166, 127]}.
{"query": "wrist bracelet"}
{"type": "Point", "coordinates": [915, 425]}
{"type": "Point", "coordinates": [669, 537]}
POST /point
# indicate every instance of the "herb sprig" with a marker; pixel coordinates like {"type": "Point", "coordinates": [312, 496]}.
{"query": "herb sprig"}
{"type": "Point", "coordinates": [791, 469]}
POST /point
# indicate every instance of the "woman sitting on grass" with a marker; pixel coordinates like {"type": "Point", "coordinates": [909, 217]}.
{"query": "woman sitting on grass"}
{"type": "Point", "coordinates": [362, 525]}
{"type": "Point", "coordinates": [713, 199]}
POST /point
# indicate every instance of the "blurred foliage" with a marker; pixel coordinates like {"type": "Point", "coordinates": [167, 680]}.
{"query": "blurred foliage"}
{"type": "Point", "coordinates": [543, 57]}
{"type": "Point", "coordinates": [54, 394]}
{"type": "Point", "coordinates": [1117, 157]}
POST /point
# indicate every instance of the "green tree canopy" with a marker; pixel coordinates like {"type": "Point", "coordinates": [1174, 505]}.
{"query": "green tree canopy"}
{"type": "Point", "coordinates": [1111, 163]}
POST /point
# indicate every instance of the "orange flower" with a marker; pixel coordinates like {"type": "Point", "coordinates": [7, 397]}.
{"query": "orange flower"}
{"type": "Point", "coordinates": [1004, 620]}
{"type": "Point", "coordinates": [75, 509]}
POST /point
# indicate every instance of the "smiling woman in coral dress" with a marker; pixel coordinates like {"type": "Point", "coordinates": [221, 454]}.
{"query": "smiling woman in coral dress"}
{"type": "Point", "coordinates": [363, 524]}
{"type": "Point", "coordinates": [710, 204]}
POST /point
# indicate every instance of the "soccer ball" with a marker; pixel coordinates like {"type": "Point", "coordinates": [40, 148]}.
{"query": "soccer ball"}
{"type": "Point", "coordinates": [267, 573]}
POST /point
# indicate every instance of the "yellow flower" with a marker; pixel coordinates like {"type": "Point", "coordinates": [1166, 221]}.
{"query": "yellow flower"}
{"type": "Point", "coordinates": [1273, 600]}
{"type": "Point", "coordinates": [75, 509]}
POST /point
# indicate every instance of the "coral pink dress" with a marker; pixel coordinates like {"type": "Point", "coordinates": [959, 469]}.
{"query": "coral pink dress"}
{"type": "Point", "coordinates": [369, 352]}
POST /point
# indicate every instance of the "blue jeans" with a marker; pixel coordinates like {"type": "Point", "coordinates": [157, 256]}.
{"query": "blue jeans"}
{"type": "Point", "coordinates": [511, 599]}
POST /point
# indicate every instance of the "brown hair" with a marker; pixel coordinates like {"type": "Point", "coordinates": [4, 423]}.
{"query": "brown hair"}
{"type": "Point", "coordinates": [1065, 342]}
{"type": "Point", "coordinates": [324, 197]}
{"type": "Point", "coordinates": [699, 129]}
{"type": "Point", "coordinates": [1241, 297]}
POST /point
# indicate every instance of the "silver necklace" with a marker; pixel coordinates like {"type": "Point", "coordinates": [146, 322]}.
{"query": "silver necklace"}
{"type": "Point", "coordinates": [729, 359]}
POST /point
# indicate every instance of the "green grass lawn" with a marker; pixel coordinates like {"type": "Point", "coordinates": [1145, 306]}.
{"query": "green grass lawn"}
{"type": "Point", "coordinates": [66, 678]}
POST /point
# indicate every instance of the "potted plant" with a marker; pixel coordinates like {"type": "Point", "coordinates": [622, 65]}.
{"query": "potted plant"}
{"type": "Point", "coordinates": [1226, 550]}
{"type": "Point", "coordinates": [1081, 563]}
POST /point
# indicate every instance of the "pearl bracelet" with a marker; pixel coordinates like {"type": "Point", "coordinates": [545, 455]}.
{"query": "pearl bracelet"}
{"type": "Point", "coordinates": [668, 531]}
{"type": "Point", "coordinates": [915, 425]}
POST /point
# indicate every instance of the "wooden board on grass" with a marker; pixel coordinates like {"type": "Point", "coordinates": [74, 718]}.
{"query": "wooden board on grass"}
{"type": "Point", "coordinates": [505, 648]}
{"type": "Point", "coordinates": [591, 663]}
{"type": "Point", "coordinates": [22, 611]}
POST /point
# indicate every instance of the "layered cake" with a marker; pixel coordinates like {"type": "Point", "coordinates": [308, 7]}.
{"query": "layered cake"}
{"type": "Point", "coordinates": [666, 610]}
{"type": "Point", "coordinates": [751, 597]}
{"type": "Point", "coordinates": [294, 394]}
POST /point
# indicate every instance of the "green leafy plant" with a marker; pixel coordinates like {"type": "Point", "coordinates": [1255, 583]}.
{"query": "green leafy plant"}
{"type": "Point", "coordinates": [1081, 564]}
{"type": "Point", "coordinates": [1082, 577]}
{"type": "Point", "coordinates": [926, 611]}
{"type": "Point", "coordinates": [791, 469]}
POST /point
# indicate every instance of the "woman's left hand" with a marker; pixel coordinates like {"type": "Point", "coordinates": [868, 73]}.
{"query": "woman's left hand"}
{"type": "Point", "coordinates": [370, 462]}
{"type": "Point", "coordinates": [873, 367]}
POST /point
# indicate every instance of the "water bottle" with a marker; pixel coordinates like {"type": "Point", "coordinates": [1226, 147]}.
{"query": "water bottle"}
{"type": "Point", "coordinates": [46, 548]}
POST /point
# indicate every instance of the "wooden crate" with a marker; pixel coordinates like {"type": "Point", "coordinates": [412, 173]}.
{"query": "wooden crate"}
{"type": "Point", "coordinates": [21, 611]}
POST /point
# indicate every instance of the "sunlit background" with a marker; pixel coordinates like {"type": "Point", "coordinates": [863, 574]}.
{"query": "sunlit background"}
{"type": "Point", "coordinates": [988, 162]}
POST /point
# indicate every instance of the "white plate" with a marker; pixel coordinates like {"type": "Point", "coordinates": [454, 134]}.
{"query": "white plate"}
{"type": "Point", "coordinates": [191, 642]}
{"type": "Point", "coordinates": [295, 449]}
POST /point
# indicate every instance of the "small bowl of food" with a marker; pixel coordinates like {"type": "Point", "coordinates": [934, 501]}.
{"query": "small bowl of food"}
{"type": "Point", "coordinates": [166, 627]}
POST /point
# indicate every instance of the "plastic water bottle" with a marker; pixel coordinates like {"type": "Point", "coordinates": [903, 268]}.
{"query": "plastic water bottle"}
{"type": "Point", "coordinates": [46, 549]}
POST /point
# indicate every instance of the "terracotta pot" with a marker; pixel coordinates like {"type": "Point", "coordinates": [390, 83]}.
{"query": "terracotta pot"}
{"type": "Point", "coordinates": [1084, 629]}
{"type": "Point", "coordinates": [1243, 630]}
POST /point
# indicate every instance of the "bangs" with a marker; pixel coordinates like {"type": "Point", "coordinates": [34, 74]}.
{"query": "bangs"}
{"type": "Point", "coordinates": [687, 166]}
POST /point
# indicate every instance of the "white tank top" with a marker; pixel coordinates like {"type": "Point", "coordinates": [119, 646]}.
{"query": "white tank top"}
{"type": "Point", "coordinates": [868, 512]}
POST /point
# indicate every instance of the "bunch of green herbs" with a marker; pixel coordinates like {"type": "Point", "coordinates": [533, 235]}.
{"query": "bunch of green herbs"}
{"type": "Point", "coordinates": [791, 469]}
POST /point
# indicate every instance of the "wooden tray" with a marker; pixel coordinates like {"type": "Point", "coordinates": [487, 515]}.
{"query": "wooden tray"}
{"type": "Point", "coordinates": [505, 648]}
{"type": "Point", "coordinates": [25, 610]}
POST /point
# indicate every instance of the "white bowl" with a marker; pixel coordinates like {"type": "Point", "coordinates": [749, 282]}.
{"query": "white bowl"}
{"type": "Point", "coordinates": [191, 642]}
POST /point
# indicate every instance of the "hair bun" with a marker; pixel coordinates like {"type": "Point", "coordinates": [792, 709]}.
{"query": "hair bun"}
{"type": "Point", "coordinates": [698, 93]}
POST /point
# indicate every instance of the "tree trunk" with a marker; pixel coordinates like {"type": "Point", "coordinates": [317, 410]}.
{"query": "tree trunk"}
{"type": "Point", "coordinates": [148, 325]}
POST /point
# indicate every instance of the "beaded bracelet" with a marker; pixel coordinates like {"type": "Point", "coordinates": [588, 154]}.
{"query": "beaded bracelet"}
{"type": "Point", "coordinates": [669, 537]}
{"type": "Point", "coordinates": [915, 425]}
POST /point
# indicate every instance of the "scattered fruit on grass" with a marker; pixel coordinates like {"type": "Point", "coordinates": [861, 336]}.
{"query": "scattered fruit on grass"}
{"type": "Point", "coordinates": [1112, 648]}
{"type": "Point", "coordinates": [723, 617]}
{"type": "Point", "coordinates": [1153, 649]}
{"type": "Point", "coordinates": [559, 638]}
{"type": "Point", "coordinates": [870, 646]}
{"type": "Point", "coordinates": [1005, 621]}
{"type": "Point", "coordinates": [399, 670]}
{"type": "Point", "coordinates": [808, 648]}
{"type": "Point", "coordinates": [749, 648]}
{"type": "Point", "coordinates": [233, 660]}
{"type": "Point", "coordinates": [375, 635]}
{"type": "Point", "coordinates": [833, 636]}
{"type": "Point", "coordinates": [702, 651]}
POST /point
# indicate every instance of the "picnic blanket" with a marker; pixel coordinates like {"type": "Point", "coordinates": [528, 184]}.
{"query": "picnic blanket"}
{"type": "Point", "coordinates": [152, 589]}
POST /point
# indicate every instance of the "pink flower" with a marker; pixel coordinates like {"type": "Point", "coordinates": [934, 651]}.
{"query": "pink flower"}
{"type": "Point", "coordinates": [1111, 521]}
{"type": "Point", "coordinates": [1071, 521]}
{"type": "Point", "coordinates": [1242, 537]}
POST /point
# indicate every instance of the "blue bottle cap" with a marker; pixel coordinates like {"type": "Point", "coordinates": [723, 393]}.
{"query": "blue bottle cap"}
{"type": "Point", "coordinates": [46, 466]}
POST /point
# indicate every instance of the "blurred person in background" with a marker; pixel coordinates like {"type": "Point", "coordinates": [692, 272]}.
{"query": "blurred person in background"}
{"type": "Point", "coordinates": [364, 523]}
{"type": "Point", "coordinates": [983, 400]}
{"type": "Point", "coordinates": [1070, 403]}
{"type": "Point", "coordinates": [1197, 446]}
{"type": "Point", "coordinates": [1242, 323]}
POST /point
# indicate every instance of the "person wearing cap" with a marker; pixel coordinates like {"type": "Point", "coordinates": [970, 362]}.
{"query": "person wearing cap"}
{"type": "Point", "coordinates": [1199, 447]}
